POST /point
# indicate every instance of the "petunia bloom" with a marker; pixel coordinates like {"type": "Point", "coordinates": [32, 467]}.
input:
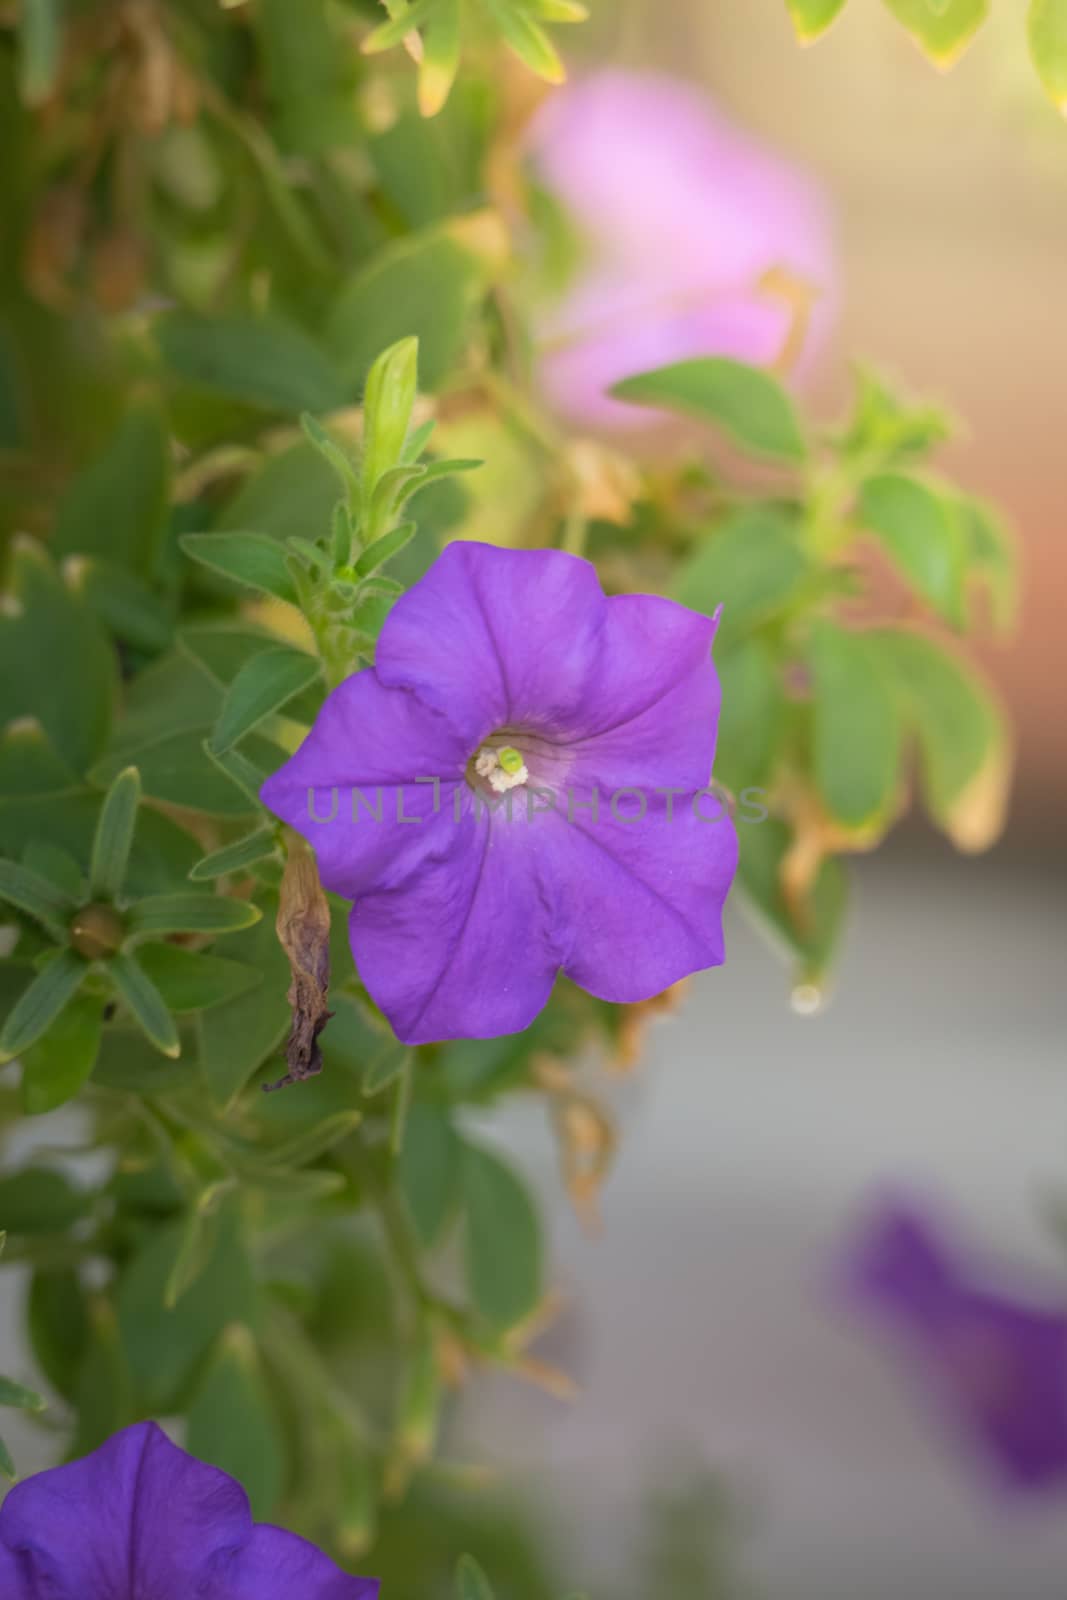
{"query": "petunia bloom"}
{"type": "Point", "coordinates": [694, 241]}
{"type": "Point", "coordinates": [518, 788]}
{"type": "Point", "coordinates": [996, 1363]}
{"type": "Point", "coordinates": [140, 1519]}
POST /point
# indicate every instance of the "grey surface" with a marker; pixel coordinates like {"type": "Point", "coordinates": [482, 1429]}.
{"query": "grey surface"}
{"type": "Point", "coordinates": [753, 1139]}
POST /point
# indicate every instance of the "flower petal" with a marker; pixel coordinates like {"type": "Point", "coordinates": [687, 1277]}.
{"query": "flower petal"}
{"type": "Point", "coordinates": [649, 709]}
{"type": "Point", "coordinates": [278, 1565]}
{"type": "Point", "coordinates": [138, 1515]}
{"type": "Point", "coordinates": [493, 638]}
{"type": "Point", "coordinates": [353, 788]}
{"type": "Point", "coordinates": [465, 946]}
{"type": "Point", "coordinates": [1008, 1363]}
{"type": "Point", "coordinates": [642, 899]}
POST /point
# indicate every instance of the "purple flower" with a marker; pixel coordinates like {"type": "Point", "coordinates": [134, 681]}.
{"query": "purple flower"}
{"type": "Point", "coordinates": [997, 1364]}
{"type": "Point", "coordinates": [695, 238]}
{"type": "Point", "coordinates": [518, 788]}
{"type": "Point", "coordinates": [141, 1520]}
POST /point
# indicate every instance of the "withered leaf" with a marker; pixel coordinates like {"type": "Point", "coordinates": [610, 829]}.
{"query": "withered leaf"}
{"type": "Point", "coordinates": [303, 926]}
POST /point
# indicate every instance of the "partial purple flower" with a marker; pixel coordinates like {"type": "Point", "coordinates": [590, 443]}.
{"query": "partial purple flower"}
{"type": "Point", "coordinates": [518, 788]}
{"type": "Point", "coordinates": [995, 1362]}
{"type": "Point", "coordinates": [140, 1519]}
{"type": "Point", "coordinates": [696, 241]}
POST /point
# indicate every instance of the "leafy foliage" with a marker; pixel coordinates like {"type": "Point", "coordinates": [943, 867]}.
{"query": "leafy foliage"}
{"type": "Point", "coordinates": [259, 343]}
{"type": "Point", "coordinates": [943, 29]}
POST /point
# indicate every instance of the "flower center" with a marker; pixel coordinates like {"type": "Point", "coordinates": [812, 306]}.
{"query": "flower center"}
{"type": "Point", "coordinates": [501, 767]}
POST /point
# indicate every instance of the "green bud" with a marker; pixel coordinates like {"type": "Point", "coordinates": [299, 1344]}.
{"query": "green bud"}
{"type": "Point", "coordinates": [97, 931]}
{"type": "Point", "coordinates": [387, 405]}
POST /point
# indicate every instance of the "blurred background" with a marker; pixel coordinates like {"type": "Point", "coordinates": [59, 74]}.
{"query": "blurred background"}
{"type": "Point", "coordinates": [701, 1323]}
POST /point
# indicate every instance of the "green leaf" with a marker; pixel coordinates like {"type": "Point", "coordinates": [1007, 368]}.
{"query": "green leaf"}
{"type": "Point", "coordinates": [331, 452]}
{"type": "Point", "coordinates": [165, 1347]}
{"type": "Point", "coordinates": [38, 1200]}
{"type": "Point", "coordinates": [287, 494]}
{"type": "Point", "coordinates": [384, 549]}
{"type": "Point", "coordinates": [190, 980]}
{"type": "Point", "coordinates": [19, 1397]}
{"type": "Point", "coordinates": [189, 912]}
{"type": "Point", "coordinates": [812, 17]}
{"type": "Point", "coordinates": [941, 28]}
{"type": "Point", "coordinates": [104, 1401]}
{"type": "Point", "coordinates": [232, 1423]}
{"type": "Point", "coordinates": [236, 857]}
{"type": "Point", "coordinates": [389, 34]}
{"type": "Point", "coordinates": [129, 1063]}
{"type": "Point", "coordinates": [527, 39]}
{"type": "Point", "coordinates": [921, 531]}
{"type": "Point", "coordinates": [7, 1465]}
{"type": "Point", "coordinates": [40, 40]}
{"type": "Point", "coordinates": [749, 404]}
{"type": "Point", "coordinates": [55, 1068]}
{"type": "Point", "coordinates": [561, 10]}
{"type": "Point", "coordinates": [810, 939]}
{"type": "Point", "coordinates": [176, 768]}
{"type": "Point", "coordinates": [751, 719]}
{"type": "Point", "coordinates": [123, 603]}
{"type": "Point", "coordinates": [1047, 29]}
{"type": "Point", "coordinates": [857, 734]}
{"type": "Point", "coordinates": [40, 1004]}
{"type": "Point", "coordinates": [114, 835]}
{"type": "Point", "coordinates": [264, 684]}
{"type": "Point", "coordinates": [58, 867]}
{"type": "Point", "coordinates": [55, 661]}
{"type": "Point", "coordinates": [426, 286]}
{"type": "Point", "coordinates": [429, 1170]}
{"type": "Point", "coordinates": [257, 360]}
{"type": "Point", "coordinates": [503, 1251]}
{"type": "Point", "coordinates": [197, 1243]}
{"type": "Point", "coordinates": [306, 1147]}
{"type": "Point", "coordinates": [144, 1002]}
{"type": "Point", "coordinates": [235, 1038]}
{"type": "Point", "coordinates": [58, 1326]}
{"type": "Point", "coordinates": [752, 565]}
{"type": "Point", "coordinates": [440, 57]}
{"type": "Point", "coordinates": [117, 508]}
{"type": "Point", "coordinates": [36, 896]}
{"type": "Point", "coordinates": [388, 399]}
{"type": "Point", "coordinates": [992, 561]}
{"type": "Point", "coordinates": [963, 737]}
{"type": "Point", "coordinates": [242, 773]}
{"type": "Point", "coordinates": [471, 1581]}
{"type": "Point", "coordinates": [385, 1067]}
{"type": "Point", "coordinates": [252, 559]}
{"type": "Point", "coordinates": [310, 76]}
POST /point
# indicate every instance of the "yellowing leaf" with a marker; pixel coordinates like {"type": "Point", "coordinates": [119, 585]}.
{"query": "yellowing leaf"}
{"type": "Point", "coordinates": [811, 18]}
{"type": "Point", "coordinates": [1047, 28]}
{"type": "Point", "coordinates": [942, 31]}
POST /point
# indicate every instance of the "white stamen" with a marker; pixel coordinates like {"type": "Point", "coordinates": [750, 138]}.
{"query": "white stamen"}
{"type": "Point", "coordinates": [487, 765]}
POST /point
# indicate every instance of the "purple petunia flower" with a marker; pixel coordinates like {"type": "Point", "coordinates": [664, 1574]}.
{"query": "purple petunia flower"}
{"type": "Point", "coordinates": [693, 238]}
{"type": "Point", "coordinates": [996, 1363]}
{"type": "Point", "coordinates": [140, 1519]}
{"type": "Point", "coordinates": [519, 788]}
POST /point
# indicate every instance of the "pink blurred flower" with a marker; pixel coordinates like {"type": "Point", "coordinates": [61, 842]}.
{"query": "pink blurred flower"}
{"type": "Point", "coordinates": [681, 219]}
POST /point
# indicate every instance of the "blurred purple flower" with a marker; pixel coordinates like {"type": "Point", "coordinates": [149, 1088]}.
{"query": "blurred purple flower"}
{"type": "Point", "coordinates": [508, 677]}
{"type": "Point", "coordinates": [139, 1519]}
{"type": "Point", "coordinates": [996, 1363]}
{"type": "Point", "coordinates": [694, 238]}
